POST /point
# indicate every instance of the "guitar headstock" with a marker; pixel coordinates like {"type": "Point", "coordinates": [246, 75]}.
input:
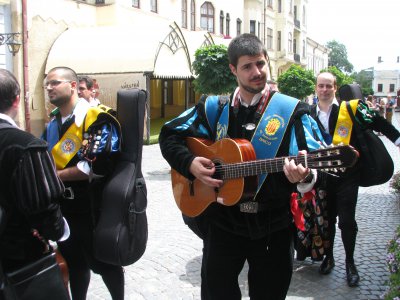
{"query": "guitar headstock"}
{"type": "Point", "coordinates": [333, 158]}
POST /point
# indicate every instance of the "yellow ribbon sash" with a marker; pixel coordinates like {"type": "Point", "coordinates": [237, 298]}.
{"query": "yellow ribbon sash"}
{"type": "Point", "coordinates": [71, 141]}
{"type": "Point", "coordinates": [344, 124]}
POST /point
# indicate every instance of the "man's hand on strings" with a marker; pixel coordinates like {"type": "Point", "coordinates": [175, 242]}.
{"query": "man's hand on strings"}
{"type": "Point", "coordinates": [295, 173]}
{"type": "Point", "coordinates": [203, 168]}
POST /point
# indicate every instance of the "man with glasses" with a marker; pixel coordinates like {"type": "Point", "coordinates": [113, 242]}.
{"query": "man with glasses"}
{"type": "Point", "coordinates": [342, 190]}
{"type": "Point", "coordinates": [84, 141]}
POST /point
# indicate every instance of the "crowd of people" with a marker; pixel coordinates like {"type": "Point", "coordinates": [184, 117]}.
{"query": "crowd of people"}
{"type": "Point", "coordinates": [385, 106]}
{"type": "Point", "coordinates": [77, 152]}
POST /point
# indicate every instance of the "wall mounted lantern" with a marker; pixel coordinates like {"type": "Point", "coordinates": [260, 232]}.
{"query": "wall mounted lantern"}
{"type": "Point", "coordinates": [10, 40]}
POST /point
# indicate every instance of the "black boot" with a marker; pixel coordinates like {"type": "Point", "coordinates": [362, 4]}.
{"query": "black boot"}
{"type": "Point", "coordinates": [352, 275]}
{"type": "Point", "coordinates": [327, 265]}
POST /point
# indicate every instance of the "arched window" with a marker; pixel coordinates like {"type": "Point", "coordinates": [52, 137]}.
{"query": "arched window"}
{"type": "Point", "coordinates": [184, 13]}
{"type": "Point", "coordinates": [207, 16]}
{"type": "Point", "coordinates": [192, 15]}
{"type": "Point", "coordinates": [228, 25]}
{"type": "Point", "coordinates": [221, 22]}
{"type": "Point", "coordinates": [238, 26]}
{"type": "Point", "coordinates": [153, 6]}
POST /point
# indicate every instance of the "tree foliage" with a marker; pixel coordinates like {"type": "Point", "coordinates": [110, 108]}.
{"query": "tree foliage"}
{"type": "Point", "coordinates": [341, 78]}
{"type": "Point", "coordinates": [338, 57]}
{"type": "Point", "coordinates": [364, 78]}
{"type": "Point", "coordinates": [211, 65]}
{"type": "Point", "coordinates": [297, 82]}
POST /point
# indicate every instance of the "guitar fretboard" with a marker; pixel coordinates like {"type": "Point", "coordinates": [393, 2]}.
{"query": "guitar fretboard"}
{"type": "Point", "coordinates": [274, 165]}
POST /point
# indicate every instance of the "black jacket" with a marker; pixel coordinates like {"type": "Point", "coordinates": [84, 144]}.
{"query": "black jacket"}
{"type": "Point", "coordinates": [29, 194]}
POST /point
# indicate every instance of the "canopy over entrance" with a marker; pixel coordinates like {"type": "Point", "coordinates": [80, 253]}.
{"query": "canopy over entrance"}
{"type": "Point", "coordinates": [162, 51]}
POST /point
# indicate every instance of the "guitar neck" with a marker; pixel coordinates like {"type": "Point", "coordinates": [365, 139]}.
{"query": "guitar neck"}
{"type": "Point", "coordinates": [256, 167]}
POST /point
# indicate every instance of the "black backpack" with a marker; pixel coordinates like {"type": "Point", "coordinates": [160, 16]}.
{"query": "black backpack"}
{"type": "Point", "coordinates": [121, 232]}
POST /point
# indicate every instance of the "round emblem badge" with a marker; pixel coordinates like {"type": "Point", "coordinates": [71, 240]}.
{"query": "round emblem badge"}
{"type": "Point", "coordinates": [68, 146]}
{"type": "Point", "coordinates": [343, 131]}
{"type": "Point", "coordinates": [272, 126]}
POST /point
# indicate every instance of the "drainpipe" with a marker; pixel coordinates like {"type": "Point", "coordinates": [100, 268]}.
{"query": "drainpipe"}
{"type": "Point", "coordinates": [25, 66]}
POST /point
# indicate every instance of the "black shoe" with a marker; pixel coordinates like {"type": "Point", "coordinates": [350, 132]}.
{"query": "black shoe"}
{"type": "Point", "coordinates": [327, 265]}
{"type": "Point", "coordinates": [352, 275]}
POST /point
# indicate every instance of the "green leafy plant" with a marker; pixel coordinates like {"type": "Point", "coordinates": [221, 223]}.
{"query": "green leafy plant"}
{"type": "Point", "coordinates": [211, 66]}
{"type": "Point", "coordinates": [297, 82]}
{"type": "Point", "coordinates": [393, 263]}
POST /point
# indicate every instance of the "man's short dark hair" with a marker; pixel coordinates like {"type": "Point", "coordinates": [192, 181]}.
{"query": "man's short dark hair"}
{"type": "Point", "coordinates": [245, 44]}
{"type": "Point", "coordinates": [89, 81]}
{"type": "Point", "coordinates": [68, 73]}
{"type": "Point", "coordinates": [9, 89]}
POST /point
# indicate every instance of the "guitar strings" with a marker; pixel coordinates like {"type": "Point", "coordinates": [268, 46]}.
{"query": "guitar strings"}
{"type": "Point", "coordinates": [248, 168]}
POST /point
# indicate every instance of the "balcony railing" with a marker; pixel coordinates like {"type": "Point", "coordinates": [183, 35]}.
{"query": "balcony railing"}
{"type": "Point", "coordinates": [100, 1]}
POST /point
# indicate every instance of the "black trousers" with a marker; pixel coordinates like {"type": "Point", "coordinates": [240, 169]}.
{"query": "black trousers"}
{"type": "Point", "coordinates": [270, 261]}
{"type": "Point", "coordinates": [342, 196]}
{"type": "Point", "coordinates": [78, 252]}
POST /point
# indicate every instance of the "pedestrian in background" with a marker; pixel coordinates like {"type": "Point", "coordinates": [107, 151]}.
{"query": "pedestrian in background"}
{"type": "Point", "coordinates": [86, 90]}
{"type": "Point", "coordinates": [390, 106]}
{"type": "Point", "coordinates": [342, 191]}
{"type": "Point", "coordinates": [84, 141]}
{"type": "Point", "coordinates": [30, 190]}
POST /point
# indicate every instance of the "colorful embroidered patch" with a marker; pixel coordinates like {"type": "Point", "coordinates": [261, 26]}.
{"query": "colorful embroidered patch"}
{"type": "Point", "coordinates": [343, 131]}
{"type": "Point", "coordinates": [68, 146]}
{"type": "Point", "coordinates": [272, 126]}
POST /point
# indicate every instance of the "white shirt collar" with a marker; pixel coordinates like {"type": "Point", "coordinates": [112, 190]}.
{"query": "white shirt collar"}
{"type": "Point", "coordinates": [80, 111]}
{"type": "Point", "coordinates": [8, 119]}
{"type": "Point", "coordinates": [330, 106]}
{"type": "Point", "coordinates": [254, 101]}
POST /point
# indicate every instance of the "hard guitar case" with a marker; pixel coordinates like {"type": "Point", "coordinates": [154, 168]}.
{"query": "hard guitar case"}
{"type": "Point", "coordinates": [121, 233]}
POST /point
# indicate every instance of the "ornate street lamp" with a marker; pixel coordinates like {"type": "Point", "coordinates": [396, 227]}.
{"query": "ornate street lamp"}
{"type": "Point", "coordinates": [10, 40]}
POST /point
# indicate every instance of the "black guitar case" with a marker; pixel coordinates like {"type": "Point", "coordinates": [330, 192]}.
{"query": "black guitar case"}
{"type": "Point", "coordinates": [121, 233]}
{"type": "Point", "coordinates": [376, 164]}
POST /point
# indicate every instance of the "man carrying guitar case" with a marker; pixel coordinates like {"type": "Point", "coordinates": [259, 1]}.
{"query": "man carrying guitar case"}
{"type": "Point", "coordinates": [350, 122]}
{"type": "Point", "coordinates": [121, 232]}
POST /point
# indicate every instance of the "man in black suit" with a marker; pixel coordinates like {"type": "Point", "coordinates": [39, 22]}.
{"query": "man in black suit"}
{"type": "Point", "coordinates": [343, 190]}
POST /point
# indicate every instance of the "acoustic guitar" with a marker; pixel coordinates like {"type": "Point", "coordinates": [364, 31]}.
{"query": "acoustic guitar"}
{"type": "Point", "coordinates": [236, 164]}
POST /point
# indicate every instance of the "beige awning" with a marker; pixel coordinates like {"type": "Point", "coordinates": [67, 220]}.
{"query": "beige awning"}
{"type": "Point", "coordinates": [99, 50]}
{"type": "Point", "coordinates": [162, 50]}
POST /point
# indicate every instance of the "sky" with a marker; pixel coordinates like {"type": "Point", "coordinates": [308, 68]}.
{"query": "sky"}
{"type": "Point", "coordinates": [368, 28]}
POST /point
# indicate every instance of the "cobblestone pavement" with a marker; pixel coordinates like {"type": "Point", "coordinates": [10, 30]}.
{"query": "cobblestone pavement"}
{"type": "Point", "coordinates": [170, 267]}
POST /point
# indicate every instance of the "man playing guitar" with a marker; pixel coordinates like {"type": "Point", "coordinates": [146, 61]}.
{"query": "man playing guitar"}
{"type": "Point", "coordinates": [257, 228]}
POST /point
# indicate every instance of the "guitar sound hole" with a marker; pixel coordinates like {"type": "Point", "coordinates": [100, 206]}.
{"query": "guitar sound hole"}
{"type": "Point", "coordinates": [218, 170]}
